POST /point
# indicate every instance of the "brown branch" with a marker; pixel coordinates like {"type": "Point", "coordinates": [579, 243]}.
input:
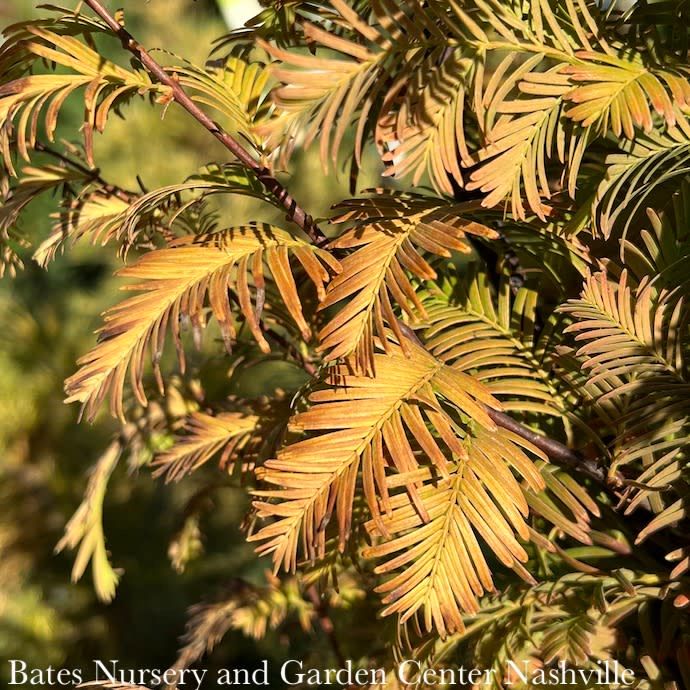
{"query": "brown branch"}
{"type": "Point", "coordinates": [326, 623]}
{"type": "Point", "coordinates": [559, 453]}
{"type": "Point", "coordinates": [294, 211]}
{"type": "Point", "coordinates": [93, 174]}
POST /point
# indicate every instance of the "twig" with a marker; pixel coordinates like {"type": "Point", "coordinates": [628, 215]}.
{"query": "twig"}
{"type": "Point", "coordinates": [295, 212]}
{"type": "Point", "coordinates": [91, 173]}
{"type": "Point", "coordinates": [558, 452]}
{"type": "Point", "coordinates": [321, 608]}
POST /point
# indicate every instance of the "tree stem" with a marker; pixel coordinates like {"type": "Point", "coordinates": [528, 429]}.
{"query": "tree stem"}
{"type": "Point", "coordinates": [559, 453]}
{"type": "Point", "coordinates": [92, 173]}
{"type": "Point", "coordinates": [295, 212]}
{"type": "Point", "coordinates": [326, 623]}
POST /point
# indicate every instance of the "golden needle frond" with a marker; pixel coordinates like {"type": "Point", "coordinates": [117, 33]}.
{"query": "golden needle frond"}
{"type": "Point", "coordinates": [206, 435]}
{"type": "Point", "coordinates": [411, 415]}
{"type": "Point", "coordinates": [390, 234]}
{"type": "Point", "coordinates": [175, 284]}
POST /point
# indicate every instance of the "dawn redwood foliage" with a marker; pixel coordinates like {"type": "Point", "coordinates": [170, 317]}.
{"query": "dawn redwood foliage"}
{"type": "Point", "coordinates": [491, 440]}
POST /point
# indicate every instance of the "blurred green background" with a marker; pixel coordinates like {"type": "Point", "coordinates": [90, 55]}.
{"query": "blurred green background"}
{"type": "Point", "coordinates": [48, 319]}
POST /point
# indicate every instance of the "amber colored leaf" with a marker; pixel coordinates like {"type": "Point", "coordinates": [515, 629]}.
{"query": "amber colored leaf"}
{"type": "Point", "coordinates": [206, 435]}
{"type": "Point", "coordinates": [495, 343]}
{"type": "Point", "coordinates": [441, 568]}
{"type": "Point", "coordinates": [390, 233]}
{"type": "Point", "coordinates": [373, 424]}
{"type": "Point", "coordinates": [28, 96]}
{"type": "Point", "coordinates": [84, 531]}
{"type": "Point", "coordinates": [628, 334]}
{"type": "Point", "coordinates": [523, 134]}
{"type": "Point", "coordinates": [32, 183]}
{"type": "Point", "coordinates": [175, 283]}
{"type": "Point", "coordinates": [426, 135]}
{"type": "Point", "coordinates": [623, 94]}
{"type": "Point", "coordinates": [236, 88]}
{"type": "Point", "coordinates": [321, 96]}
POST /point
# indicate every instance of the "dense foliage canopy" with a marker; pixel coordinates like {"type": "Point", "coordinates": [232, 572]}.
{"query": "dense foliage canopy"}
{"type": "Point", "coordinates": [484, 435]}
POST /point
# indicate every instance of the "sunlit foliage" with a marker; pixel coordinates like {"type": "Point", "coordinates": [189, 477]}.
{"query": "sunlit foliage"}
{"type": "Point", "coordinates": [489, 425]}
